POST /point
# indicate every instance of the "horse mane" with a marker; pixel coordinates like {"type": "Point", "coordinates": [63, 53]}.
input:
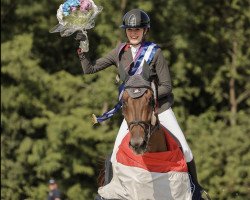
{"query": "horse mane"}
{"type": "Point", "coordinates": [101, 178]}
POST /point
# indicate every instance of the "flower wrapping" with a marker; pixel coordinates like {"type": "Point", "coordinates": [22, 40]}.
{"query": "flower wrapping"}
{"type": "Point", "coordinates": [76, 15]}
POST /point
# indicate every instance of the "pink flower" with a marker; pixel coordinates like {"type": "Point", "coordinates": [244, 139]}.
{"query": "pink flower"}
{"type": "Point", "coordinates": [85, 5]}
{"type": "Point", "coordinates": [73, 8]}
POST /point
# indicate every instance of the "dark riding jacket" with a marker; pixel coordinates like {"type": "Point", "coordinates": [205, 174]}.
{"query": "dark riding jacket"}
{"type": "Point", "coordinates": [159, 71]}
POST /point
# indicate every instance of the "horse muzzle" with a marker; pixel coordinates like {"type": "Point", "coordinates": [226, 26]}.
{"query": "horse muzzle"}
{"type": "Point", "coordinates": [138, 145]}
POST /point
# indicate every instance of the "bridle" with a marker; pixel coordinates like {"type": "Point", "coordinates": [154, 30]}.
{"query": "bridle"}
{"type": "Point", "coordinates": [147, 126]}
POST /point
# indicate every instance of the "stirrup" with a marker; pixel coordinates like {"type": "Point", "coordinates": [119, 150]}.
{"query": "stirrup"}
{"type": "Point", "coordinates": [205, 195]}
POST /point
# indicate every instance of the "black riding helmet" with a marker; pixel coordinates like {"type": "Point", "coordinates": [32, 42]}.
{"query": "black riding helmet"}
{"type": "Point", "coordinates": [135, 18]}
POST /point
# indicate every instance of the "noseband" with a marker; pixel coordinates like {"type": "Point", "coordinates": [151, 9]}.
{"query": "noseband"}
{"type": "Point", "coordinates": [143, 124]}
{"type": "Point", "coordinates": [147, 127]}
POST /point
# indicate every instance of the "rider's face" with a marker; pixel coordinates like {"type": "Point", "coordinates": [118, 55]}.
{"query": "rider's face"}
{"type": "Point", "coordinates": [135, 35]}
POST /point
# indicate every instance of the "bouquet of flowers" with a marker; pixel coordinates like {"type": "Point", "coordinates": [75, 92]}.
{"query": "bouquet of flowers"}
{"type": "Point", "coordinates": [76, 15]}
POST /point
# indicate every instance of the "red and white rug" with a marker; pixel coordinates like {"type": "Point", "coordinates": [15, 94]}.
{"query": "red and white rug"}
{"type": "Point", "coordinates": [151, 176]}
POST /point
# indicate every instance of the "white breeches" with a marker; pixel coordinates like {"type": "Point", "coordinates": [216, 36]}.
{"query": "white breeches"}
{"type": "Point", "coordinates": [168, 120]}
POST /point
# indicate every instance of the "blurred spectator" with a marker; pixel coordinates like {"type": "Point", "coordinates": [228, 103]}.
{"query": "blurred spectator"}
{"type": "Point", "coordinates": [54, 193]}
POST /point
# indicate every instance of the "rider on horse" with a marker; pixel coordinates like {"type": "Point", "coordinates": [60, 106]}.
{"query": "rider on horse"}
{"type": "Point", "coordinates": [132, 56]}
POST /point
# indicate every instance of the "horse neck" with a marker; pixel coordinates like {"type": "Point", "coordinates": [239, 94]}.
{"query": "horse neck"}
{"type": "Point", "coordinates": [157, 141]}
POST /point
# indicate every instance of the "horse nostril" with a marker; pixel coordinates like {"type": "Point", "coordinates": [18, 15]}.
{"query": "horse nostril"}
{"type": "Point", "coordinates": [133, 145]}
{"type": "Point", "coordinates": [139, 147]}
{"type": "Point", "coordinates": [136, 142]}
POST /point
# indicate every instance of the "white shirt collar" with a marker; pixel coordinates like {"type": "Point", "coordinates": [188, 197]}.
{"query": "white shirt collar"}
{"type": "Point", "coordinates": [134, 50]}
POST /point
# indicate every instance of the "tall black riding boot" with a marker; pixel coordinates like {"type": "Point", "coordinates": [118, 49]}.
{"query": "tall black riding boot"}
{"type": "Point", "coordinates": [192, 170]}
{"type": "Point", "coordinates": [199, 193]}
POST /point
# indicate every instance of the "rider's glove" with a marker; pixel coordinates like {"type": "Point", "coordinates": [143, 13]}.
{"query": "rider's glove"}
{"type": "Point", "coordinates": [80, 36]}
{"type": "Point", "coordinates": [84, 43]}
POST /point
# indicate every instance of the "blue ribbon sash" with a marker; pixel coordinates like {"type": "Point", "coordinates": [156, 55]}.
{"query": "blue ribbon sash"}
{"type": "Point", "coordinates": [145, 54]}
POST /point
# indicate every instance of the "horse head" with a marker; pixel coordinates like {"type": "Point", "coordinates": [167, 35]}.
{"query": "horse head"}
{"type": "Point", "coordinates": [138, 106]}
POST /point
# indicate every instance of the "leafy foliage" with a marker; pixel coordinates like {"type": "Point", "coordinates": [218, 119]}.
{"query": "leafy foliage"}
{"type": "Point", "coordinates": [47, 103]}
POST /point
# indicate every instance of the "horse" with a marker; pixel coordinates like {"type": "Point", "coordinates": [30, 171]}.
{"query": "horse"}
{"type": "Point", "coordinates": [139, 110]}
{"type": "Point", "coordinates": [149, 162]}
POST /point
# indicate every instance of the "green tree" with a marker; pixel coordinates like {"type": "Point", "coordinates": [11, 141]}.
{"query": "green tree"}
{"type": "Point", "coordinates": [47, 128]}
{"type": "Point", "coordinates": [47, 103]}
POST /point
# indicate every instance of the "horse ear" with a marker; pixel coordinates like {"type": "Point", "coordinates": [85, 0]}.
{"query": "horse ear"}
{"type": "Point", "coordinates": [122, 73]}
{"type": "Point", "coordinates": [145, 71]}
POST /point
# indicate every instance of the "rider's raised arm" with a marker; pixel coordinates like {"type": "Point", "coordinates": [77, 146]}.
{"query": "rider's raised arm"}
{"type": "Point", "coordinates": [162, 71]}
{"type": "Point", "coordinates": [90, 67]}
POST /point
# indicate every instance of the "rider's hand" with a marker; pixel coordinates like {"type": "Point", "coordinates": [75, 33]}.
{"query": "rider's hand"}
{"type": "Point", "coordinates": [80, 36]}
